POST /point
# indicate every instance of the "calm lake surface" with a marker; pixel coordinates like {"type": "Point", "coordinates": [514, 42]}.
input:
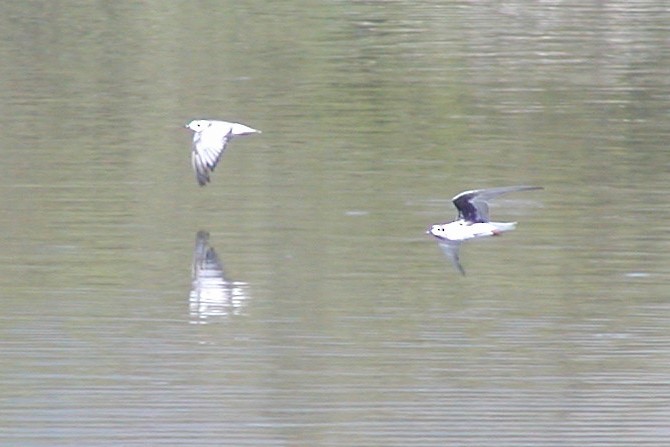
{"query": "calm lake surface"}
{"type": "Point", "coordinates": [296, 300]}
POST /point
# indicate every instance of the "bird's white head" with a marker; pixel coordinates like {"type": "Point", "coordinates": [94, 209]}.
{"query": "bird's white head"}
{"type": "Point", "coordinates": [437, 230]}
{"type": "Point", "coordinates": [453, 231]}
{"type": "Point", "coordinates": [198, 125]}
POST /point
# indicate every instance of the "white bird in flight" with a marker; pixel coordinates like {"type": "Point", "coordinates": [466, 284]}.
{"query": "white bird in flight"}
{"type": "Point", "coordinates": [210, 138]}
{"type": "Point", "coordinates": [473, 220]}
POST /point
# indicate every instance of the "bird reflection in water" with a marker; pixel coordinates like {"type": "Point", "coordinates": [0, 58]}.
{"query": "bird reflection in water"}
{"type": "Point", "coordinates": [212, 293]}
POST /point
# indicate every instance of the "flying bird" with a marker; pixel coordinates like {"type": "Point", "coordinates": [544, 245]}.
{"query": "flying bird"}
{"type": "Point", "coordinates": [473, 220]}
{"type": "Point", "coordinates": [210, 138]}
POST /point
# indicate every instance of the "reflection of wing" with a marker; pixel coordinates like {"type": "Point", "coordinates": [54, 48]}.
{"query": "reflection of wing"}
{"type": "Point", "coordinates": [206, 151]}
{"type": "Point", "coordinates": [206, 264]}
{"type": "Point", "coordinates": [211, 292]}
{"type": "Point", "coordinates": [450, 250]}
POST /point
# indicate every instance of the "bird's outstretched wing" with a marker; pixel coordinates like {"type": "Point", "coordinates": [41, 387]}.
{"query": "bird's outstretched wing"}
{"type": "Point", "coordinates": [472, 205]}
{"type": "Point", "coordinates": [450, 250]}
{"type": "Point", "coordinates": [206, 151]}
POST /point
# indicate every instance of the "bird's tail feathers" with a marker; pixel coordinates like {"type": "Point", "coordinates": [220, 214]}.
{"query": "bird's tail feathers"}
{"type": "Point", "coordinates": [241, 129]}
{"type": "Point", "coordinates": [504, 226]}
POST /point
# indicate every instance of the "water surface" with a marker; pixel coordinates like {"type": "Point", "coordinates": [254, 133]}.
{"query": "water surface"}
{"type": "Point", "coordinates": [321, 314]}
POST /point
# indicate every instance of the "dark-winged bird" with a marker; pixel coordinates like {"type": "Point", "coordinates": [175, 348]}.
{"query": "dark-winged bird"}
{"type": "Point", "coordinates": [473, 220]}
